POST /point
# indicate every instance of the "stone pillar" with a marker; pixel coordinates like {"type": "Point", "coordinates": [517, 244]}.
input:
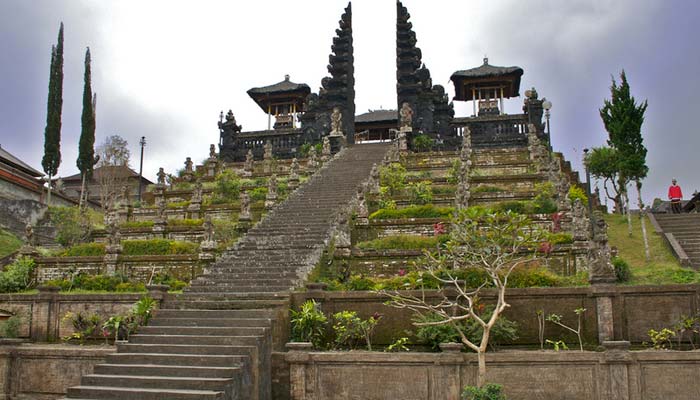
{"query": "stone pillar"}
{"type": "Point", "coordinates": [603, 295]}
{"type": "Point", "coordinates": [212, 162]}
{"type": "Point", "coordinates": [618, 359]}
{"type": "Point", "coordinates": [207, 249]}
{"type": "Point", "coordinates": [158, 293]}
{"type": "Point", "coordinates": [401, 139]}
{"type": "Point", "coordinates": [271, 196]}
{"type": "Point", "coordinates": [293, 181]}
{"type": "Point", "coordinates": [244, 218]}
{"type": "Point", "coordinates": [44, 318]}
{"type": "Point", "coordinates": [249, 165]}
{"type": "Point", "coordinates": [267, 158]}
{"type": "Point", "coordinates": [195, 206]}
{"type": "Point", "coordinates": [297, 356]}
{"type": "Point", "coordinates": [326, 150]}
{"type": "Point", "coordinates": [114, 247]}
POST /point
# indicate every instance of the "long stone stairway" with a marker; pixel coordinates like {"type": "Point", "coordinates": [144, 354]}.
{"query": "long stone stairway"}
{"type": "Point", "coordinates": [686, 230]}
{"type": "Point", "coordinates": [215, 340]}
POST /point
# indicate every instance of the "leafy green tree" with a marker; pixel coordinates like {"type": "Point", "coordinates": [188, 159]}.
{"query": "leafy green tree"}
{"type": "Point", "coordinates": [603, 163]}
{"type": "Point", "coordinates": [86, 148]}
{"type": "Point", "coordinates": [52, 133]}
{"type": "Point", "coordinates": [623, 118]}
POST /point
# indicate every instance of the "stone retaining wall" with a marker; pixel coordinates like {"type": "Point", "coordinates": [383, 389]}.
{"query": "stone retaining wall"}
{"type": "Point", "coordinates": [41, 372]}
{"type": "Point", "coordinates": [620, 312]}
{"type": "Point", "coordinates": [532, 375]}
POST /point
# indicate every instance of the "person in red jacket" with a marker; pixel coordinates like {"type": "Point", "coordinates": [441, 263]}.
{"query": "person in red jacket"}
{"type": "Point", "coordinates": [675, 195]}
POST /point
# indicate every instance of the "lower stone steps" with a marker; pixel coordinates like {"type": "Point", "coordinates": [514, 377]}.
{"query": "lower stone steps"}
{"type": "Point", "coordinates": [168, 370]}
{"type": "Point", "coordinates": [122, 393]}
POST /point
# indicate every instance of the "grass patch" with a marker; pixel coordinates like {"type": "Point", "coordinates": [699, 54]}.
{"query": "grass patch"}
{"type": "Point", "coordinates": [186, 222]}
{"type": "Point", "coordinates": [662, 269]}
{"type": "Point", "coordinates": [425, 211]}
{"type": "Point", "coordinates": [136, 224]}
{"type": "Point", "coordinates": [9, 243]}
{"type": "Point", "coordinates": [407, 242]}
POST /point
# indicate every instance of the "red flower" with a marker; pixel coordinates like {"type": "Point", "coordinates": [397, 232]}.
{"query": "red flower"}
{"type": "Point", "coordinates": [556, 221]}
{"type": "Point", "coordinates": [545, 247]}
{"type": "Point", "coordinates": [438, 229]}
{"type": "Point", "coordinates": [402, 272]}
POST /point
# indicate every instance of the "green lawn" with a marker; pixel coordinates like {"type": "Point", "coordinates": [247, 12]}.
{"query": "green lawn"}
{"type": "Point", "coordinates": [8, 243]}
{"type": "Point", "coordinates": [663, 268]}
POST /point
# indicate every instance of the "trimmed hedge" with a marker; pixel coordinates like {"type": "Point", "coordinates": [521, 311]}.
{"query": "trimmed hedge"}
{"type": "Point", "coordinates": [407, 242]}
{"type": "Point", "coordinates": [158, 247]}
{"type": "Point", "coordinates": [424, 211]}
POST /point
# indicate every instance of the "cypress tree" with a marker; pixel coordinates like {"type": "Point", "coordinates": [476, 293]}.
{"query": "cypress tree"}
{"type": "Point", "coordinates": [86, 147]}
{"type": "Point", "coordinates": [52, 133]}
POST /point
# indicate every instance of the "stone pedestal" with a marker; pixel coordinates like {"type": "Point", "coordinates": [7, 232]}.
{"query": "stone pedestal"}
{"type": "Point", "coordinates": [44, 317]}
{"type": "Point", "coordinates": [111, 258]}
{"type": "Point", "coordinates": [207, 251]}
{"type": "Point", "coordinates": [194, 210]}
{"type": "Point", "coordinates": [337, 143]}
{"type": "Point", "coordinates": [603, 294]}
{"type": "Point", "coordinates": [211, 166]}
{"type": "Point", "coordinates": [158, 293]}
{"type": "Point", "coordinates": [402, 138]}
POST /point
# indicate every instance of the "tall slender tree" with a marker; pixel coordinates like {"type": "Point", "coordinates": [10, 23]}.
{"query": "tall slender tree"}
{"type": "Point", "coordinates": [86, 148]}
{"type": "Point", "coordinates": [52, 133]}
{"type": "Point", "coordinates": [623, 119]}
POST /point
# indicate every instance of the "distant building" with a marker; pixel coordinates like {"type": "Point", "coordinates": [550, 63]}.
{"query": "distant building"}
{"type": "Point", "coordinates": [376, 125]}
{"type": "Point", "coordinates": [111, 178]}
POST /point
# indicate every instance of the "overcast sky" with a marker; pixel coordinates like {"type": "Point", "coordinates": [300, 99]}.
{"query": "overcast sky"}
{"type": "Point", "coordinates": [165, 69]}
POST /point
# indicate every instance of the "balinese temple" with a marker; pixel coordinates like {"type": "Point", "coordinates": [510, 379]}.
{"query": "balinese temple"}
{"type": "Point", "coordinates": [487, 87]}
{"type": "Point", "coordinates": [284, 101]}
{"type": "Point", "coordinates": [376, 125]}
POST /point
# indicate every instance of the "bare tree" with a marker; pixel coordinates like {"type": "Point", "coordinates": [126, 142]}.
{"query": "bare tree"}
{"type": "Point", "coordinates": [493, 243]}
{"type": "Point", "coordinates": [112, 172]}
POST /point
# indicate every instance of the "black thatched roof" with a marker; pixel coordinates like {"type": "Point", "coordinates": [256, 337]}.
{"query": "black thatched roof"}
{"type": "Point", "coordinates": [286, 90]}
{"type": "Point", "coordinates": [486, 74]}
{"type": "Point", "coordinates": [377, 116]}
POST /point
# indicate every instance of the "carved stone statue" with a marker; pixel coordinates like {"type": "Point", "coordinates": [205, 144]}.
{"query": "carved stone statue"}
{"type": "Point", "coordinates": [29, 234]}
{"type": "Point", "coordinates": [336, 122]}
{"type": "Point", "coordinates": [294, 170]}
{"type": "Point", "coordinates": [161, 176]}
{"type": "Point", "coordinates": [212, 151]}
{"type": "Point", "coordinates": [580, 224]}
{"type": "Point", "coordinates": [271, 197]}
{"type": "Point", "coordinates": [466, 151]}
{"type": "Point", "coordinates": [342, 232]}
{"type": "Point", "coordinates": [601, 269]}
{"type": "Point", "coordinates": [197, 193]}
{"type": "Point", "coordinates": [326, 149]}
{"type": "Point", "coordinates": [406, 114]}
{"type": "Point", "coordinates": [402, 141]}
{"type": "Point", "coordinates": [208, 229]}
{"type": "Point", "coordinates": [313, 159]}
{"type": "Point", "coordinates": [245, 207]}
{"type": "Point", "coordinates": [362, 210]}
{"type": "Point", "coordinates": [249, 163]}
{"type": "Point", "coordinates": [373, 183]}
{"type": "Point", "coordinates": [463, 194]}
{"type": "Point", "coordinates": [267, 155]}
{"type": "Point", "coordinates": [189, 165]}
{"type": "Point", "coordinates": [125, 195]}
{"type": "Point", "coordinates": [112, 228]}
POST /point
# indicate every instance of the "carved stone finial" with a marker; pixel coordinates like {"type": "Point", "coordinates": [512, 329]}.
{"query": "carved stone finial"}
{"type": "Point", "coordinates": [161, 176]}
{"type": "Point", "coordinates": [212, 151]}
{"type": "Point", "coordinates": [336, 122]}
{"type": "Point", "coordinates": [406, 114]}
{"type": "Point", "coordinates": [601, 268]}
{"type": "Point", "coordinates": [326, 149]}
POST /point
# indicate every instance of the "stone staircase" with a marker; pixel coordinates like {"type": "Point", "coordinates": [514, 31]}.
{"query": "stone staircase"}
{"type": "Point", "coordinates": [215, 340]}
{"type": "Point", "coordinates": [686, 230]}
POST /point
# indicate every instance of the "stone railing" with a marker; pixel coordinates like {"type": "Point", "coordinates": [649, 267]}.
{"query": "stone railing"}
{"type": "Point", "coordinates": [285, 144]}
{"type": "Point", "coordinates": [493, 130]}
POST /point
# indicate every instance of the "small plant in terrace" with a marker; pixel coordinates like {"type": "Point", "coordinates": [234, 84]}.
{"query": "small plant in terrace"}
{"type": "Point", "coordinates": [556, 320]}
{"type": "Point", "coordinates": [10, 327]}
{"type": "Point", "coordinates": [84, 326]}
{"type": "Point", "coordinates": [398, 346]}
{"type": "Point", "coordinates": [489, 391]}
{"type": "Point", "coordinates": [661, 339]}
{"type": "Point", "coordinates": [309, 324]}
{"type": "Point", "coordinates": [350, 329]}
{"type": "Point", "coordinates": [393, 176]}
{"type": "Point", "coordinates": [687, 325]}
{"type": "Point", "coordinates": [557, 344]}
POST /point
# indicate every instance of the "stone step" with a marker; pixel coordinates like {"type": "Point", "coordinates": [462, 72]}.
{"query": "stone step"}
{"type": "Point", "coordinates": [230, 304]}
{"type": "Point", "coordinates": [195, 340]}
{"type": "Point", "coordinates": [202, 330]}
{"type": "Point", "coordinates": [121, 393]}
{"type": "Point", "coordinates": [160, 382]}
{"type": "Point", "coordinates": [175, 348]}
{"type": "Point", "coordinates": [167, 370]}
{"type": "Point", "coordinates": [213, 314]}
{"type": "Point", "coordinates": [233, 296]}
{"type": "Point", "coordinates": [240, 290]}
{"type": "Point", "coordinates": [193, 360]}
{"type": "Point", "coordinates": [211, 322]}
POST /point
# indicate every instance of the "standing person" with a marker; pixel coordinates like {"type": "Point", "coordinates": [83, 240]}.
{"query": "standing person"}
{"type": "Point", "coordinates": [675, 195]}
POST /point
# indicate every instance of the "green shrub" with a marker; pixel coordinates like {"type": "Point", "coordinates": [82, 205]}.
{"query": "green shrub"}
{"type": "Point", "coordinates": [186, 222]}
{"type": "Point", "coordinates": [225, 231]}
{"type": "Point", "coordinates": [10, 327]}
{"type": "Point", "coordinates": [622, 269]}
{"type": "Point", "coordinates": [358, 282]}
{"type": "Point", "coordinates": [560, 238]}
{"type": "Point", "coordinates": [258, 194]}
{"type": "Point", "coordinates": [164, 278]}
{"type": "Point", "coordinates": [393, 176]}
{"type": "Point", "coordinates": [70, 224]}
{"type": "Point", "coordinates": [178, 204]}
{"type": "Point", "coordinates": [532, 277]}
{"type": "Point", "coordinates": [228, 186]}
{"type": "Point", "coordinates": [504, 330]}
{"type": "Point", "coordinates": [350, 330]}
{"type": "Point", "coordinates": [158, 247]}
{"type": "Point", "coordinates": [17, 276]}
{"type": "Point", "coordinates": [576, 192]}
{"type": "Point", "coordinates": [136, 224]}
{"type": "Point", "coordinates": [422, 143]}
{"type": "Point", "coordinates": [488, 189]}
{"type": "Point", "coordinates": [512, 206]}
{"type": "Point", "coordinates": [420, 192]}
{"type": "Point", "coordinates": [85, 326]}
{"type": "Point", "coordinates": [490, 391]}
{"type": "Point", "coordinates": [309, 324]}
{"type": "Point", "coordinates": [407, 242]}
{"type": "Point", "coordinates": [97, 283]}
{"type": "Point", "coordinates": [84, 250]}
{"type": "Point", "coordinates": [454, 172]}
{"type": "Point", "coordinates": [385, 200]}
{"type": "Point", "coordinates": [424, 211]}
